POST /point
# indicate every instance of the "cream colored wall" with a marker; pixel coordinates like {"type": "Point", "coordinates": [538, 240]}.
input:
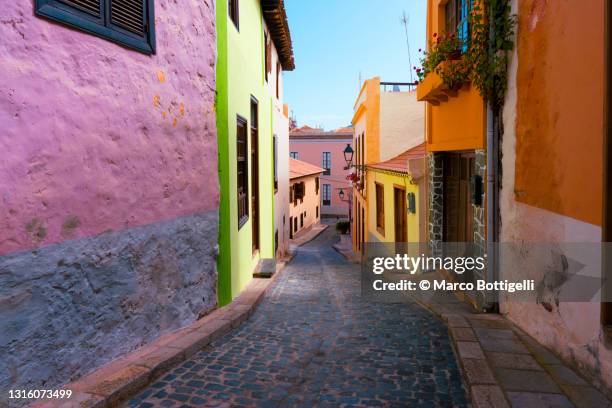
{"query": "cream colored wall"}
{"type": "Point", "coordinates": [280, 128]}
{"type": "Point", "coordinates": [359, 128]}
{"type": "Point", "coordinates": [402, 123]}
{"type": "Point", "coordinates": [311, 201]}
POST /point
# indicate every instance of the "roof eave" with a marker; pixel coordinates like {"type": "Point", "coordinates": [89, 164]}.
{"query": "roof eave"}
{"type": "Point", "coordinates": [276, 19]}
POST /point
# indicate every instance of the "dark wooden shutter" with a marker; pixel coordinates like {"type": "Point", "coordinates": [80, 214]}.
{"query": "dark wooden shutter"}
{"type": "Point", "coordinates": [242, 171]}
{"type": "Point", "coordinates": [380, 208]}
{"type": "Point", "coordinates": [88, 6]}
{"type": "Point", "coordinates": [129, 15]}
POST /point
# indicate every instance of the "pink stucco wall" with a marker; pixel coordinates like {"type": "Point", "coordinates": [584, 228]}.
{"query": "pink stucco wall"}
{"type": "Point", "coordinates": [96, 137]}
{"type": "Point", "coordinates": [310, 150]}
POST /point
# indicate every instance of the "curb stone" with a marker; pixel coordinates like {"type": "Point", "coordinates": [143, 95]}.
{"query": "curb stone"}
{"type": "Point", "coordinates": [117, 381]}
{"type": "Point", "coordinates": [532, 366]}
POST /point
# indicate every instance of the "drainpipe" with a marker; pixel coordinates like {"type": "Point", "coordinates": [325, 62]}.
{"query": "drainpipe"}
{"type": "Point", "coordinates": [492, 187]}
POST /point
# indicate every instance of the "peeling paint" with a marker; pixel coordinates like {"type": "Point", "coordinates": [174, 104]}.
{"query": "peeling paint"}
{"type": "Point", "coordinates": [36, 229]}
{"type": "Point", "coordinates": [71, 223]}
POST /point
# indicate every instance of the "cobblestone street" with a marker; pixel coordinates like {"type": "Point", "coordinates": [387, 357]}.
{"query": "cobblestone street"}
{"type": "Point", "coordinates": [314, 342]}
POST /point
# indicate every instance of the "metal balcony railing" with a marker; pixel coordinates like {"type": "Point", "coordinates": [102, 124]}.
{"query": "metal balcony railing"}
{"type": "Point", "coordinates": [398, 86]}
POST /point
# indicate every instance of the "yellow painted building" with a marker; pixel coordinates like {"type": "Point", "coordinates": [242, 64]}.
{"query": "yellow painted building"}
{"type": "Point", "coordinates": [396, 205]}
{"type": "Point", "coordinates": [387, 122]}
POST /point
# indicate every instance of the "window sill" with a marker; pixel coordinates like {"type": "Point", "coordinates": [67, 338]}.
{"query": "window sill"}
{"type": "Point", "coordinates": [242, 221]}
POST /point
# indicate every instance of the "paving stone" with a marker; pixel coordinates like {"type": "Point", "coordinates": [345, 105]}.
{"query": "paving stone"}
{"type": "Point", "coordinates": [463, 334]}
{"type": "Point", "coordinates": [478, 371]}
{"type": "Point", "coordinates": [538, 400]}
{"type": "Point", "coordinates": [565, 375]}
{"type": "Point", "coordinates": [470, 349]}
{"type": "Point", "coordinates": [455, 320]}
{"type": "Point", "coordinates": [503, 346]}
{"type": "Point", "coordinates": [314, 341]}
{"type": "Point", "coordinates": [488, 396]}
{"type": "Point", "coordinates": [489, 323]}
{"type": "Point", "coordinates": [525, 380]}
{"type": "Point", "coordinates": [586, 397]}
{"type": "Point", "coordinates": [495, 334]}
{"type": "Point", "coordinates": [513, 360]}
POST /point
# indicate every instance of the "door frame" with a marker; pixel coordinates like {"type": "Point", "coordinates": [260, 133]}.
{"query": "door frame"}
{"type": "Point", "coordinates": [255, 174]}
{"type": "Point", "coordinates": [401, 213]}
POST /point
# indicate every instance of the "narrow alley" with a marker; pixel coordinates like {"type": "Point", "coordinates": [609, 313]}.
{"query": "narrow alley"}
{"type": "Point", "coordinates": [314, 341]}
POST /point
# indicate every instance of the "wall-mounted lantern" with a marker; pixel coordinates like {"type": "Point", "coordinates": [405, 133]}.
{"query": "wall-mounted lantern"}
{"type": "Point", "coordinates": [411, 203]}
{"type": "Point", "coordinates": [476, 182]}
{"type": "Point", "coordinates": [348, 155]}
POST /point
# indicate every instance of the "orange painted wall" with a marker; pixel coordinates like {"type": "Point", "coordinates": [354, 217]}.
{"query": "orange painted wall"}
{"type": "Point", "coordinates": [368, 104]}
{"type": "Point", "coordinates": [559, 126]}
{"type": "Point", "coordinates": [460, 122]}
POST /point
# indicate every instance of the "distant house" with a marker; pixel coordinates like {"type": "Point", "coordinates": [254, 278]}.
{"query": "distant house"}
{"type": "Point", "coordinates": [304, 196]}
{"type": "Point", "coordinates": [325, 149]}
{"type": "Point", "coordinates": [386, 124]}
{"type": "Point", "coordinates": [397, 203]}
{"type": "Point", "coordinates": [253, 50]}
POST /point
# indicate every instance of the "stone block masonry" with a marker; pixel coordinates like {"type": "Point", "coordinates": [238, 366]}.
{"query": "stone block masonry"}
{"type": "Point", "coordinates": [71, 307]}
{"type": "Point", "coordinates": [435, 203]}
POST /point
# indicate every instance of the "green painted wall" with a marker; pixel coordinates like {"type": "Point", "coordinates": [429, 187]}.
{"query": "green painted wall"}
{"type": "Point", "coordinates": [240, 75]}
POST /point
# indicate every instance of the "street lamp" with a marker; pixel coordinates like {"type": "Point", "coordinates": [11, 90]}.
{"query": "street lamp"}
{"type": "Point", "coordinates": [348, 155]}
{"type": "Point", "coordinates": [349, 201]}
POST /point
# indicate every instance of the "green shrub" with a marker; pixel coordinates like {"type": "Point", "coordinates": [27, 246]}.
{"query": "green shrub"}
{"type": "Point", "coordinates": [343, 226]}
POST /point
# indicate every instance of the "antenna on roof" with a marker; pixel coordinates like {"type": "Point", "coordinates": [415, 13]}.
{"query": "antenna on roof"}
{"type": "Point", "coordinates": [404, 20]}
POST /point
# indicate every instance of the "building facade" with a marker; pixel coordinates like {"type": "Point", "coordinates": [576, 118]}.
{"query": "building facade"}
{"type": "Point", "coordinates": [246, 30]}
{"type": "Point", "coordinates": [305, 196]}
{"type": "Point", "coordinates": [551, 147]}
{"type": "Point", "coordinates": [385, 125]}
{"type": "Point", "coordinates": [325, 149]}
{"type": "Point", "coordinates": [397, 200]}
{"type": "Point", "coordinates": [108, 179]}
{"type": "Point", "coordinates": [280, 127]}
{"type": "Point", "coordinates": [456, 129]}
{"type": "Point", "coordinates": [545, 208]}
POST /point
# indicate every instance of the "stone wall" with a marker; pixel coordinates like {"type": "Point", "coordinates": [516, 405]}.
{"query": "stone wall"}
{"type": "Point", "coordinates": [480, 237]}
{"type": "Point", "coordinates": [435, 177]}
{"type": "Point", "coordinates": [70, 307]}
{"type": "Point", "coordinates": [108, 190]}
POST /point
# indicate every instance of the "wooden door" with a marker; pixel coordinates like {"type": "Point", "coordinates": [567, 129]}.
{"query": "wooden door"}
{"type": "Point", "coordinates": [458, 211]}
{"type": "Point", "coordinates": [255, 173]}
{"type": "Point", "coordinates": [399, 204]}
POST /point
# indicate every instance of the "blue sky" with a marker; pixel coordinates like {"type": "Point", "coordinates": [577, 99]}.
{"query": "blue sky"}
{"type": "Point", "coordinates": [335, 40]}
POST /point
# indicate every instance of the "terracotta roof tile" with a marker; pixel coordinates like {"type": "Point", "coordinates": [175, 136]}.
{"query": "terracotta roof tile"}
{"type": "Point", "coordinates": [399, 163]}
{"type": "Point", "coordinates": [298, 168]}
{"type": "Point", "coordinates": [344, 130]}
{"type": "Point", "coordinates": [307, 132]}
